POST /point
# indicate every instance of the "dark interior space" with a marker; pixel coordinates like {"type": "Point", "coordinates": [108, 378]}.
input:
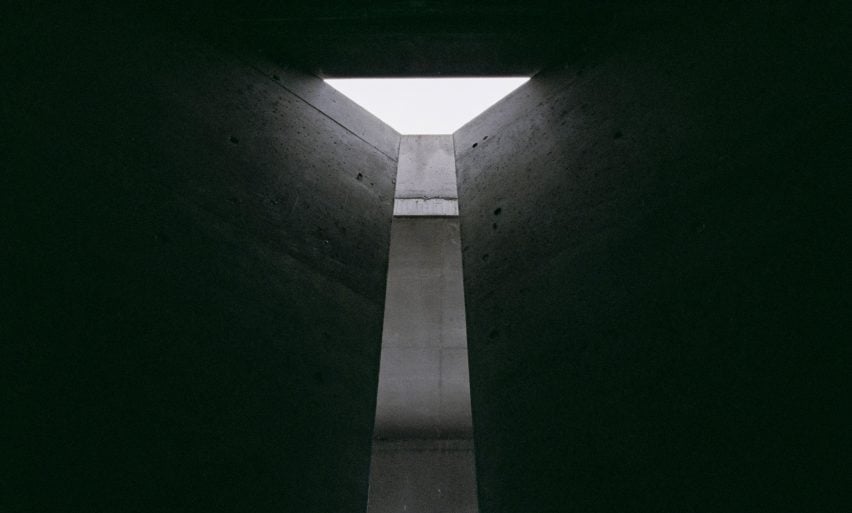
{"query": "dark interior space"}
{"type": "Point", "coordinates": [655, 248]}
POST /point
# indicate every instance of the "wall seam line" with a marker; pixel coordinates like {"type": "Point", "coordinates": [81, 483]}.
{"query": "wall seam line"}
{"type": "Point", "coordinates": [282, 86]}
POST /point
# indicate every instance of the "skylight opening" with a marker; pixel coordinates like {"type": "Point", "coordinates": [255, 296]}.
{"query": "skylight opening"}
{"type": "Point", "coordinates": [433, 106]}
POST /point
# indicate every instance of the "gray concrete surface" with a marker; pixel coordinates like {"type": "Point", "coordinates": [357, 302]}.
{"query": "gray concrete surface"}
{"type": "Point", "coordinates": [328, 102]}
{"type": "Point", "coordinates": [427, 167]}
{"type": "Point", "coordinates": [434, 207]}
{"type": "Point", "coordinates": [654, 242]}
{"type": "Point", "coordinates": [423, 476]}
{"type": "Point", "coordinates": [426, 177]}
{"type": "Point", "coordinates": [423, 382]}
{"type": "Point", "coordinates": [651, 275]}
{"type": "Point", "coordinates": [201, 264]}
{"type": "Point", "coordinates": [423, 458]}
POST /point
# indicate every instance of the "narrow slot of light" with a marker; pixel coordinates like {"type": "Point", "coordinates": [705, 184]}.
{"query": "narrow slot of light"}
{"type": "Point", "coordinates": [426, 105]}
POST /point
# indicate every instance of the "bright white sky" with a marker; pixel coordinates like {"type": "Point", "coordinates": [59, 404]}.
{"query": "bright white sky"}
{"type": "Point", "coordinates": [426, 105]}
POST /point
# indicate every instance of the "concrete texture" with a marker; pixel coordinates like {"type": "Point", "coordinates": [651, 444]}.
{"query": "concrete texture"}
{"type": "Point", "coordinates": [423, 476]}
{"type": "Point", "coordinates": [329, 102]}
{"type": "Point", "coordinates": [423, 458]}
{"type": "Point", "coordinates": [426, 177]}
{"type": "Point", "coordinates": [427, 167]}
{"type": "Point", "coordinates": [423, 382]}
{"type": "Point", "coordinates": [654, 272]}
{"type": "Point", "coordinates": [656, 257]}
{"type": "Point", "coordinates": [194, 275]}
{"type": "Point", "coordinates": [435, 207]}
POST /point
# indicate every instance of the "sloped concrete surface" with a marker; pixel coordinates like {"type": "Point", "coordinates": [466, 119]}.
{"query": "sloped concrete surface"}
{"type": "Point", "coordinates": [195, 273]}
{"type": "Point", "coordinates": [423, 385]}
{"type": "Point", "coordinates": [423, 455]}
{"type": "Point", "coordinates": [653, 272]}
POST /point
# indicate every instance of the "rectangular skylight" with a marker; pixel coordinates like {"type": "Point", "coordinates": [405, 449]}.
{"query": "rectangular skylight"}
{"type": "Point", "coordinates": [426, 105]}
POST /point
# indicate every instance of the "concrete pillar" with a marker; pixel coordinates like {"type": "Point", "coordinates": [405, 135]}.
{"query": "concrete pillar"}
{"type": "Point", "coordinates": [422, 457]}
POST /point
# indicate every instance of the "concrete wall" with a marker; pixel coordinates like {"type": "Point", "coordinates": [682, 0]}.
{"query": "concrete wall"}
{"type": "Point", "coordinates": [417, 475]}
{"type": "Point", "coordinates": [654, 272]}
{"type": "Point", "coordinates": [424, 389]}
{"type": "Point", "coordinates": [195, 253]}
{"type": "Point", "coordinates": [423, 453]}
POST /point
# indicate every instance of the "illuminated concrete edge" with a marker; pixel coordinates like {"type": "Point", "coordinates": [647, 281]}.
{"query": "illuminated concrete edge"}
{"type": "Point", "coordinates": [423, 456]}
{"type": "Point", "coordinates": [436, 207]}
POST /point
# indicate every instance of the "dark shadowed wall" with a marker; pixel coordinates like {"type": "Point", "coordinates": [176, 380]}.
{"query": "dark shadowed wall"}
{"type": "Point", "coordinates": [193, 251]}
{"type": "Point", "coordinates": [194, 270]}
{"type": "Point", "coordinates": [654, 272]}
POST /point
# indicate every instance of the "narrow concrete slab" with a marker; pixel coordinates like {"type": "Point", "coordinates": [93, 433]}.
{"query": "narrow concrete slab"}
{"type": "Point", "coordinates": [422, 459]}
{"type": "Point", "coordinates": [427, 167]}
{"type": "Point", "coordinates": [423, 381]}
{"type": "Point", "coordinates": [423, 476]}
